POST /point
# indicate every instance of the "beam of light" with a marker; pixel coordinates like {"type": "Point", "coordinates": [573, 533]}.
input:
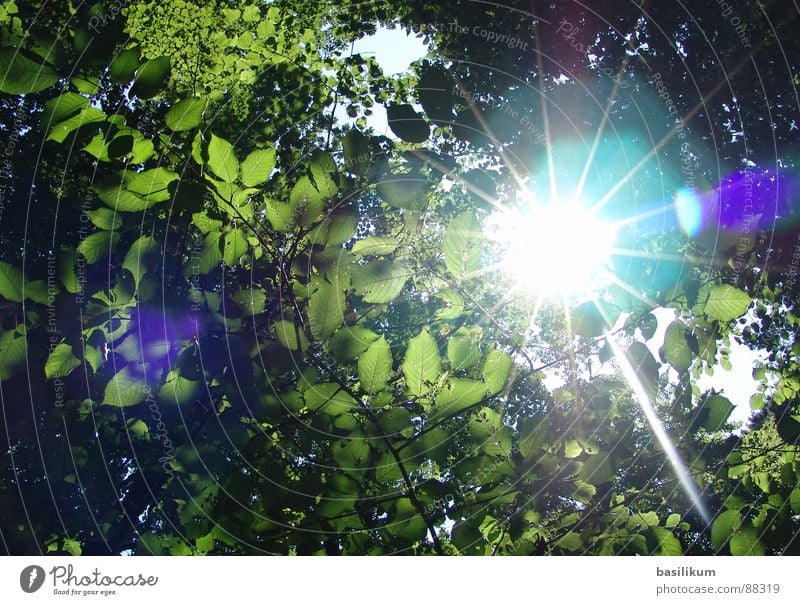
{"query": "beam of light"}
{"type": "Point", "coordinates": [674, 457]}
{"type": "Point", "coordinates": [551, 167]}
{"type": "Point", "coordinates": [556, 249]}
{"type": "Point", "coordinates": [599, 134]}
{"type": "Point", "coordinates": [675, 130]}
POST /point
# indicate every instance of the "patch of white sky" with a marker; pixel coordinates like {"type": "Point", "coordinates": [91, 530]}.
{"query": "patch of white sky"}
{"type": "Point", "coordinates": [395, 50]}
{"type": "Point", "coordinates": [737, 384]}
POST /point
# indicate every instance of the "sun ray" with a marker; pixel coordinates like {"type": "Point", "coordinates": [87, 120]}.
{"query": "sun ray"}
{"type": "Point", "coordinates": [665, 256]}
{"type": "Point", "coordinates": [630, 290]}
{"type": "Point", "coordinates": [675, 459]}
{"type": "Point", "coordinates": [667, 137]}
{"type": "Point", "coordinates": [551, 168]}
{"type": "Point", "coordinates": [635, 218]}
{"type": "Point", "coordinates": [600, 130]}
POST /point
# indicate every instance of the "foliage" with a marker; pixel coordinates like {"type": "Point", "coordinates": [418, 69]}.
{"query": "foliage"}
{"type": "Point", "coordinates": [243, 326]}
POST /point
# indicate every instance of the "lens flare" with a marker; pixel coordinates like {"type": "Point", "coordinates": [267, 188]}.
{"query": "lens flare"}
{"type": "Point", "coordinates": [558, 250]}
{"type": "Point", "coordinates": [689, 211]}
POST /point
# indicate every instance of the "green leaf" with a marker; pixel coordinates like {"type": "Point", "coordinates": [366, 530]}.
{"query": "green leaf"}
{"type": "Point", "coordinates": [61, 108]}
{"type": "Point", "coordinates": [179, 390]}
{"type": "Point", "coordinates": [350, 342]}
{"type": "Point", "coordinates": [98, 245]}
{"type": "Point", "coordinates": [375, 366]}
{"type": "Point", "coordinates": [533, 435]}
{"type": "Point", "coordinates": [72, 547]}
{"type": "Point", "coordinates": [39, 291]}
{"type": "Point", "coordinates": [341, 226]}
{"type": "Point", "coordinates": [676, 351]}
{"type": "Point", "coordinates": [496, 370]}
{"type": "Point", "coordinates": [715, 412]}
{"type": "Point", "coordinates": [726, 303]}
{"type": "Point", "coordinates": [12, 352]}
{"type": "Point", "coordinates": [307, 202]}
{"type": "Point", "coordinates": [663, 542]}
{"type": "Point", "coordinates": [85, 83]}
{"type": "Point", "coordinates": [186, 114]}
{"type": "Point", "coordinates": [462, 246]}
{"type": "Point", "coordinates": [723, 527]}
{"type": "Point", "coordinates": [672, 521]}
{"type": "Point", "coordinates": [142, 256]}
{"type": "Point", "coordinates": [235, 245]}
{"type": "Point", "coordinates": [387, 470]}
{"type": "Point", "coordinates": [352, 452]}
{"type": "Point", "coordinates": [325, 310]}
{"type": "Point", "coordinates": [20, 75]}
{"type": "Point", "coordinates": [60, 362]}
{"type": "Point", "coordinates": [88, 115]}
{"type": "Point", "coordinates": [137, 428]}
{"type": "Point", "coordinates": [484, 423]}
{"type": "Point", "coordinates": [572, 449]}
{"type": "Point", "coordinates": [124, 65]}
{"type": "Point", "coordinates": [205, 223]}
{"type": "Point", "coordinates": [422, 364]}
{"type": "Point", "coordinates": [210, 255]}
{"type": "Point", "coordinates": [380, 281]}
{"type": "Point", "coordinates": [597, 469]}
{"type": "Point", "coordinates": [65, 269]}
{"type": "Point", "coordinates": [222, 159]}
{"type": "Point", "coordinates": [645, 366]}
{"type": "Point", "coordinates": [407, 123]}
{"type": "Point", "coordinates": [745, 542]}
{"type": "Point", "coordinates": [407, 191]}
{"type": "Point", "coordinates": [153, 185]}
{"type": "Point", "coordinates": [280, 215]}
{"type": "Point", "coordinates": [251, 301]}
{"type": "Point", "coordinates": [570, 542]}
{"type": "Point", "coordinates": [122, 200]}
{"type": "Point", "coordinates": [357, 152]}
{"type": "Point", "coordinates": [11, 282]}
{"type": "Point", "coordinates": [588, 320]}
{"type": "Point", "coordinates": [453, 304]}
{"type": "Point", "coordinates": [105, 218]}
{"type": "Point", "coordinates": [257, 167]}
{"type": "Point", "coordinates": [329, 398]}
{"type": "Point", "coordinates": [125, 389]}
{"type": "Point", "coordinates": [323, 170]}
{"type": "Point", "coordinates": [459, 394]}
{"type": "Point", "coordinates": [794, 500]}
{"type": "Point", "coordinates": [375, 245]}
{"type": "Point", "coordinates": [463, 350]}
{"type": "Point", "coordinates": [290, 335]}
{"type": "Point", "coordinates": [150, 78]}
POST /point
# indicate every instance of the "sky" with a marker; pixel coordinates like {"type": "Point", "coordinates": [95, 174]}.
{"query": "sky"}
{"type": "Point", "coordinates": [395, 50]}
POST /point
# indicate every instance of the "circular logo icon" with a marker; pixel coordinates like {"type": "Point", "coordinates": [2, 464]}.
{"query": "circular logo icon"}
{"type": "Point", "coordinates": [31, 578]}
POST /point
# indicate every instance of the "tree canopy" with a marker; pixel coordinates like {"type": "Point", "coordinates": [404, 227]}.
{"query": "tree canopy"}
{"type": "Point", "coordinates": [237, 317]}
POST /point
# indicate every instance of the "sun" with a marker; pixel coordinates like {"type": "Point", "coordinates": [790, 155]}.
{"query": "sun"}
{"type": "Point", "coordinates": [556, 249]}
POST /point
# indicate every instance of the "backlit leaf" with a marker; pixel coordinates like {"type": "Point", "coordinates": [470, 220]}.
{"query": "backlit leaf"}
{"type": "Point", "coordinates": [222, 159]}
{"type": "Point", "coordinates": [325, 310]}
{"type": "Point", "coordinates": [422, 364]}
{"type": "Point", "coordinates": [257, 167]}
{"type": "Point", "coordinates": [186, 114]}
{"type": "Point", "coordinates": [726, 303]}
{"type": "Point", "coordinates": [462, 246]}
{"type": "Point", "coordinates": [375, 366]}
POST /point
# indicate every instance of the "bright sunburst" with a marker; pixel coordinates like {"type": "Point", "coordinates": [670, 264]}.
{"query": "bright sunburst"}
{"type": "Point", "coordinates": [557, 249]}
